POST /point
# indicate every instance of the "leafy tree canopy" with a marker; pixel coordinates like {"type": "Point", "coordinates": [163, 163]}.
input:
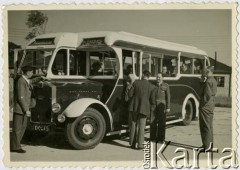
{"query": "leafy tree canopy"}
{"type": "Point", "coordinates": [37, 21]}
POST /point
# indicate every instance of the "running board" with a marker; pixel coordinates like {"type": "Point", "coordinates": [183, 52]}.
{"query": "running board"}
{"type": "Point", "coordinates": [119, 132]}
{"type": "Point", "coordinates": [174, 121]}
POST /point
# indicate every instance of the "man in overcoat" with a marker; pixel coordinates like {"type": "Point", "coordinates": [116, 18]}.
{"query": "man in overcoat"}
{"type": "Point", "coordinates": [161, 100]}
{"type": "Point", "coordinates": [206, 108]}
{"type": "Point", "coordinates": [23, 102]}
{"type": "Point", "coordinates": [139, 108]}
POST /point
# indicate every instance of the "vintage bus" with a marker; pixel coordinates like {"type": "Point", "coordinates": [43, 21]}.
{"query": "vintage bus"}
{"type": "Point", "coordinates": [87, 73]}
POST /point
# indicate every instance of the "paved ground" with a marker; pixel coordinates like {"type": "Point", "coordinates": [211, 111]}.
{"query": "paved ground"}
{"type": "Point", "coordinates": [54, 148]}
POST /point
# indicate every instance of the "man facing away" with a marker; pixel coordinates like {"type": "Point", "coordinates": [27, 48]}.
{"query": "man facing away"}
{"type": "Point", "coordinates": [139, 108]}
{"type": "Point", "coordinates": [23, 102]}
{"type": "Point", "coordinates": [206, 108]}
{"type": "Point", "coordinates": [161, 100]}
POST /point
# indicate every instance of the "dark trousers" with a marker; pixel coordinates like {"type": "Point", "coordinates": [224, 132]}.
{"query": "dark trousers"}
{"type": "Point", "coordinates": [138, 123]}
{"type": "Point", "coordinates": [158, 123]}
{"type": "Point", "coordinates": [206, 126]}
{"type": "Point", "coordinates": [19, 127]}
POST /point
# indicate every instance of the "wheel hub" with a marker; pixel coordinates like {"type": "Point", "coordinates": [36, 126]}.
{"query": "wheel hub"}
{"type": "Point", "coordinates": [87, 129]}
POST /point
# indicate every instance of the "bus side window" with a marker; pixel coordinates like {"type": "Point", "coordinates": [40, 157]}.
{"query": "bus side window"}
{"type": "Point", "coordinates": [82, 55]}
{"type": "Point", "coordinates": [77, 63]}
{"type": "Point", "coordinates": [103, 63]}
{"type": "Point", "coordinates": [169, 66]}
{"type": "Point", "coordinates": [59, 66]}
{"type": "Point", "coordinates": [127, 62]}
{"type": "Point", "coordinates": [96, 63]}
{"type": "Point", "coordinates": [73, 62]}
{"type": "Point", "coordinates": [145, 62]}
{"type": "Point", "coordinates": [156, 65]}
{"type": "Point", "coordinates": [198, 65]}
{"type": "Point", "coordinates": [110, 64]}
{"type": "Point", "coordinates": [186, 65]}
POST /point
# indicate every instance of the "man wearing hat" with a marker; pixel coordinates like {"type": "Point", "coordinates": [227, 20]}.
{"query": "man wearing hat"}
{"type": "Point", "coordinates": [206, 108]}
{"type": "Point", "coordinates": [23, 102]}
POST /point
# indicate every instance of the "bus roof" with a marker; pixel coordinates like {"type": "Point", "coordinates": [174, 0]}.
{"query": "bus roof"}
{"type": "Point", "coordinates": [54, 40]}
{"type": "Point", "coordinates": [68, 39]}
{"type": "Point", "coordinates": [112, 38]}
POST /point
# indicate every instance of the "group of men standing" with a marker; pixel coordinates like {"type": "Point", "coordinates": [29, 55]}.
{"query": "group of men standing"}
{"type": "Point", "coordinates": [146, 99]}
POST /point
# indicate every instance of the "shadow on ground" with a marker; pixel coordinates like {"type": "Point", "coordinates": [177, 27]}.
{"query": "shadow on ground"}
{"type": "Point", "coordinates": [57, 140]}
{"type": "Point", "coordinates": [51, 140]}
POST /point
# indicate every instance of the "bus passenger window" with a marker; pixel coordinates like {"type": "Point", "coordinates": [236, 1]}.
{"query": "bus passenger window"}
{"type": "Point", "coordinates": [165, 71]}
{"type": "Point", "coordinates": [96, 63]}
{"type": "Point", "coordinates": [59, 66]}
{"type": "Point", "coordinates": [186, 65]}
{"type": "Point", "coordinates": [145, 62]}
{"type": "Point", "coordinates": [127, 63]}
{"type": "Point", "coordinates": [82, 63]}
{"type": "Point", "coordinates": [73, 63]}
{"type": "Point", "coordinates": [103, 63]}
{"type": "Point", "coordinates": [77, 63]}
{"type": "Point", "coordinates": [127, 57]}
{"type": "Point", "coordinates": [198, 65]}
{"type": "Point", "coordinates": [156, 64]}
{"type": "Point", "coordinates": [169, 66]}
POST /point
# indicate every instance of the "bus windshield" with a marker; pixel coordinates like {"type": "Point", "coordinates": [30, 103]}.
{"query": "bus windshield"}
{"type": "Point", "coordinates": [38, 59]}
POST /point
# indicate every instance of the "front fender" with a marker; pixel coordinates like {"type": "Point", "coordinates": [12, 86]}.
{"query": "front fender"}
{"type": "Point", "coordinates": [78, 107]}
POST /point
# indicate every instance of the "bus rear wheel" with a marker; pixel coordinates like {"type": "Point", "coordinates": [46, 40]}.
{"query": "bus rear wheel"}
{"type": "Point", "coordinates": [86, 131]}
{"type": "Point", "coordinates": [187, 117]}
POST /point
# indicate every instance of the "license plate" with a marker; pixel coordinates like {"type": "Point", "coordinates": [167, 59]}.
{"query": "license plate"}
{"type": "Point", "coordinates": [41, 128]}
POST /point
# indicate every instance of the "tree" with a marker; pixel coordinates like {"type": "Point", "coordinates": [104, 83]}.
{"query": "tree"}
{"type": "Point", "coordinates": [37, 21]}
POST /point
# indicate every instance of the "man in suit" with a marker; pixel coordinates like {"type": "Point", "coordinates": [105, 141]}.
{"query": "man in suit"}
{"type": "Point", "coordinates": [23, 102]}
{"type": "Point", "coordinates": [161, 99]}
{"type": "Point", "coordinates": [139, 108]}
{"type": "Point", "coordinates": [206, 108]}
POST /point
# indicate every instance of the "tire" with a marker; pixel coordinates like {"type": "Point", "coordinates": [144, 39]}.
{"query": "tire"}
{"type": "Point", "coordinates": [187, 118]}
{"type": "Point", "coordinates": [87, 130]}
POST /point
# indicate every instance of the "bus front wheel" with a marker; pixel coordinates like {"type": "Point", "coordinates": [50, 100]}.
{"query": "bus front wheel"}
{"type": "Point", "coordinates": [86, 131]}
{"type": "Point", "coordinates": [188, 115]}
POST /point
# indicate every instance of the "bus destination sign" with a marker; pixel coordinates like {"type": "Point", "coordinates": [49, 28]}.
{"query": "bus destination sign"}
{"type": "Point", "coordinates": [93, 42]}
{"type": "Point", "coordinates": [43, 41]}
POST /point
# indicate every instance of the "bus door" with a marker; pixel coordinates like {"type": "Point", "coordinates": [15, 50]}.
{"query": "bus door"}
{"type": "Point", "coordinates": [130, 65]}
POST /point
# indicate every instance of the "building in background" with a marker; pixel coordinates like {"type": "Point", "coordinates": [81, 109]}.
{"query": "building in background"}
{"type": "Point", "coordinates": [222, 74]}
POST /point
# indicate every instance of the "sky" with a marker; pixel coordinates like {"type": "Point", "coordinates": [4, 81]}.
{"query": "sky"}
{"type": "Point", "coordinates": [208, 30]}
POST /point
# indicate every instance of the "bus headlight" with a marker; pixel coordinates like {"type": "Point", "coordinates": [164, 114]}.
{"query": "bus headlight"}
{"type": "Point", "coordinates": [61, 118]}
{"type": "Point", "coordinates": [56, 108]}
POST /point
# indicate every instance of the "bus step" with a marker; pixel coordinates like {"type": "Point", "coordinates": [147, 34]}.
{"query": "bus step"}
{"type": "Point", "coordinates": [119, 132]}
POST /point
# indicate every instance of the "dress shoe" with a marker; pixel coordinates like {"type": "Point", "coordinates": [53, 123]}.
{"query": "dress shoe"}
{"type": "Point", "coordinates": [132, 146]}
{"type": "Point", "coordinates": [19, 151]}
